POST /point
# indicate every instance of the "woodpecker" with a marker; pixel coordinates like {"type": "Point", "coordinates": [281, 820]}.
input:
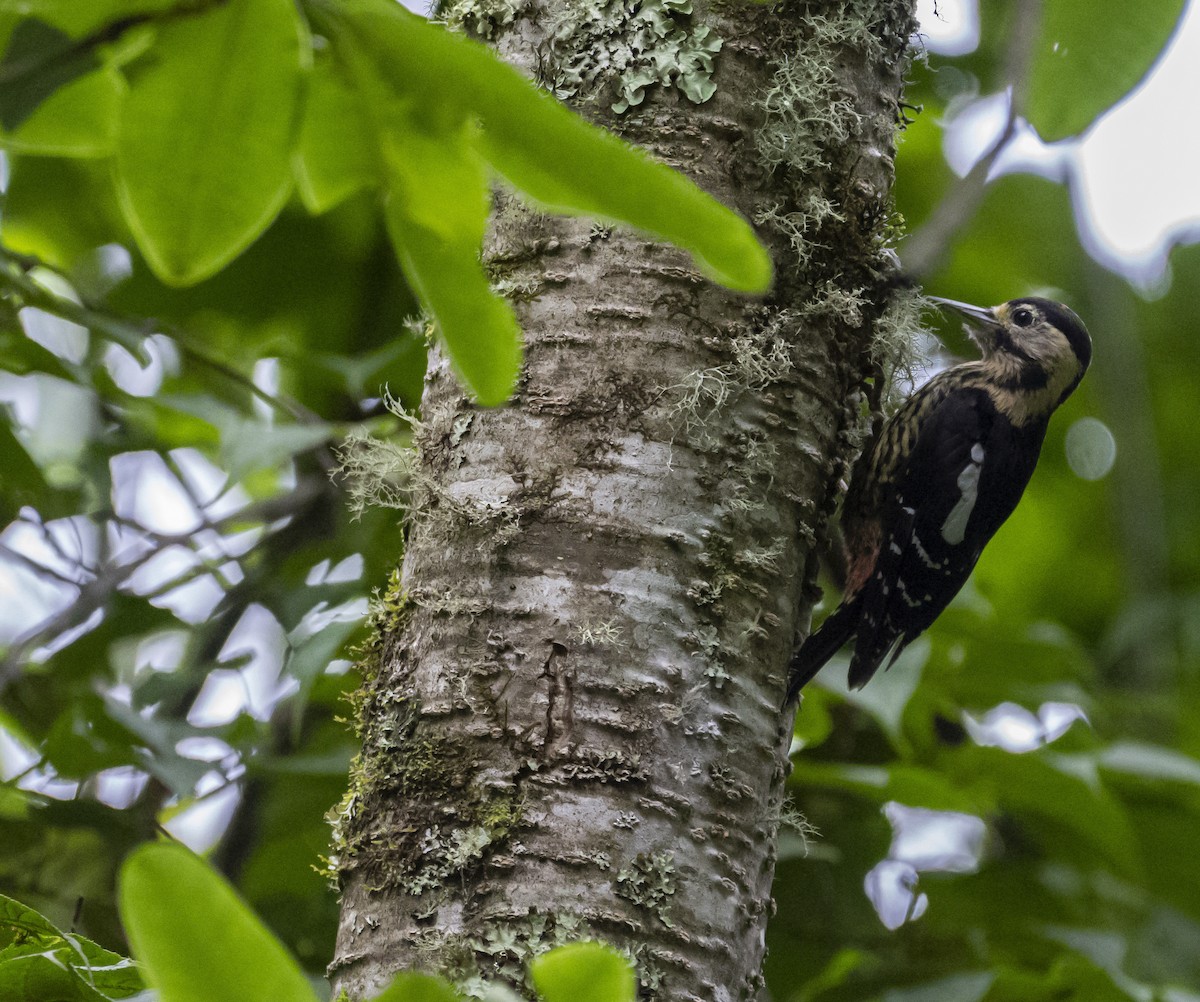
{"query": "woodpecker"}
{"type": "Point", "coordinates": [945, 472]}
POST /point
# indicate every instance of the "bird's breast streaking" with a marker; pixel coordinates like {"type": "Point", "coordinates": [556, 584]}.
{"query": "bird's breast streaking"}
{"type": "Point", "coordinates": [945, 472]}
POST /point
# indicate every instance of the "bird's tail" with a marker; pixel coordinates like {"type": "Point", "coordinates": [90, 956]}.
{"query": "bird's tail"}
{"type": "Point", "coordinates": [821, 645]}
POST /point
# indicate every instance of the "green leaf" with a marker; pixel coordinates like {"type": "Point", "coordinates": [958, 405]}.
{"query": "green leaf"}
{"type": "Point", "coordinates": [336, 155]}
{"type": "Point", "coordinates": [434, 141]}
{"type": "Point", "coordinates": [78, 19]}
{"type": "Point", "coordinates": [1089, 55]}
{"type": "Point", "coordinates": [584, 972]}
{"type": "Point", "coordinates": [436, 214]}
{"type": "Point", "coordinates": [414, 987]}
{"type": "Point", "coordinates": [34, 220]}
{"type": "Point", "coordinates": [38, 61]}
{"type": "Point", "coordinates": [78, 120]}
{"type": "Point", "coordinates": [25, 920]}
{"type": "Point", "coordinates": [246, 445]}
{"type": "Point", "coordinates": [438, 197]}
{"type": "Point", "coordinates": [545, 150]}
{"type": "Point", "coordinates": [203, 156]}
{"type": "Point", "coordinates": [1057, 796]}
{"type": "Point", "coordinates": [42, 963]}
{"type": "Point", "coordinates": [971, 986]}
{"type": "Point", "coordinates": [595, 173]}
{"type": "Point", "coordinates": [197, 939]}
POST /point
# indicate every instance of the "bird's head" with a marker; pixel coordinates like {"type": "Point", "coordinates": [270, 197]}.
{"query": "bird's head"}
{"type": "Point", "coordinates": [1033, 344]}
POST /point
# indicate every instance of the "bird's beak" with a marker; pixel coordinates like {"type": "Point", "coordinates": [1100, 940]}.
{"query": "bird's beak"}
{"type": "Point", "coordinates": [981, 323]}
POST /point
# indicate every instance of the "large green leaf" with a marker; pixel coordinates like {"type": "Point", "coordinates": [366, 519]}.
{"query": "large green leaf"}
{"type": "Point", "coordinates": [337, 153]}
{"type": "Point", "coordinates": [1089, 55]}
{"type": "Point", "coordinates": [433, 143]}
{"type": "Point", "coordinates": [438, 198]}
{"type": "Point", "coordinates": [78, 120]}
{"type": "Point", "coordinates": [436, 214]}
{"type": "Point", "coordinates": [38, 59]}
{"type": "Point", "coordinates": [543, 149]}
{"type": "Point", "coordinates": [203, 159]}
{"type": "Point", "coordinates": [414, 987]}
{"type": "Point", "coordinates": [196, 938]}
{"type": "Point", "coordinates": [34, 220]}
{"type": "Point", "coordinates": [81, 19]}
{"type": "Point", "coordinates": [584, 972]}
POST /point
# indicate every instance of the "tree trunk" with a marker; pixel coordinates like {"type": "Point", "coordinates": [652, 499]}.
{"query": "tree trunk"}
{"type": "Point", "coordinates": [571, 717]}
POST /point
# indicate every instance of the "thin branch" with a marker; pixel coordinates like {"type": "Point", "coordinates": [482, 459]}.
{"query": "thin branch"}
{"type": "Point", "coordinates": [926, 249]}
{"type": "Point", "coordinates": [95, 594]}
{"type": "Point", "coordinates": [40, 569]}
{"type": "Point", "coordinates": [128, 333]}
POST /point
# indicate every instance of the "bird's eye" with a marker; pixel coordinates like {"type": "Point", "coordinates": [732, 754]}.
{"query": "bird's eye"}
{"type": "Point", "coordinates": [1022, 317]}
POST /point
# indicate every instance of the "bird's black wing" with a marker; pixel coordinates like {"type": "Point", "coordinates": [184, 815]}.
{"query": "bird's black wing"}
{"type": "Point", "coordinates": [965, 474]}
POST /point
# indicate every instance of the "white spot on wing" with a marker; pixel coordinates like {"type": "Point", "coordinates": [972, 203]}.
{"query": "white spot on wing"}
{"type": "Point", "coordinates": [954, 529]}
{"type": "Point", "coordinates": [926, 559]}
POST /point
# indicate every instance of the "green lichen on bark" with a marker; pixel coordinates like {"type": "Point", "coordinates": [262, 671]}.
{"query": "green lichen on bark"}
{"type": "Point", "coordinates": [482, 18]}
{"type": "Point", "coordinates": [622, 48]}
{"type": "Point", "coordinates": [448, 823]}
{"type": "Point", "coordinates": [649, 881]}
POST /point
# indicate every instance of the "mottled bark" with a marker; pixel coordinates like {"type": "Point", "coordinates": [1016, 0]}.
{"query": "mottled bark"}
{"type": "Point", "coordinates": [572, 723]}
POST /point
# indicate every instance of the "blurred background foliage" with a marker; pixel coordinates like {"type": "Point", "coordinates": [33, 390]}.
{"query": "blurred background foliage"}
{"type": "Point", "coordinates": [1010, 813]}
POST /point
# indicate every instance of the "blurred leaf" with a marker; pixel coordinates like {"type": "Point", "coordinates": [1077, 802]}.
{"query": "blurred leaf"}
{"type": "Point", "coordinates": [79, 19]}
{"type": "Point", "coordinates": [197, 940]}
{"type": "Point", "coordinates": [1151, 762]}
{"type": "Point", "coordinates": [968, 987]}
{"type": "Point", "coordinates": [841, 967]}
{"type": "Point", "coordinates": [590, 170]}
{"type": "Point", "coordinates": [1089, 971]}
{"type": "Point", "coordinates": [414, 987]}
{"type": "Point", "coordinates": [203, 153]}
{"type": "Point", "coordinates": [1088, 56]}
{"type": "Point", "coordinates": [38, 61]}
{"type": "Point", "coordinates": [1166, 949]}
{"type": "Point", "coordinates": [889, 692]}
{"type": "Point", "coordinates": [309, 655]}
{"type": "Point", "coordinates": [65, 104]}
{"type": "Point", "coordinates": [583, 972]}
{"type": "Point", "coordinates": [60, 210]}
{"type": "Point", "coordinates": [85, 739]}
{"type": "Point", "coordinates": [161, 735]}
{"type": "Point", "coordinates": [913, 785]}
{"type": "Point", "coordinates": [336, 155]}
{"type": "Point", "coordinates": [813, 722]}
{"type": "Point", "coordinates": [441, 261]}
{"type": "Point", "coordinates": [1058, 796]}
{"type": "Point", "coordinates": [21, 354]}
{"type": "Point", "coordinates": [245, 445]}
